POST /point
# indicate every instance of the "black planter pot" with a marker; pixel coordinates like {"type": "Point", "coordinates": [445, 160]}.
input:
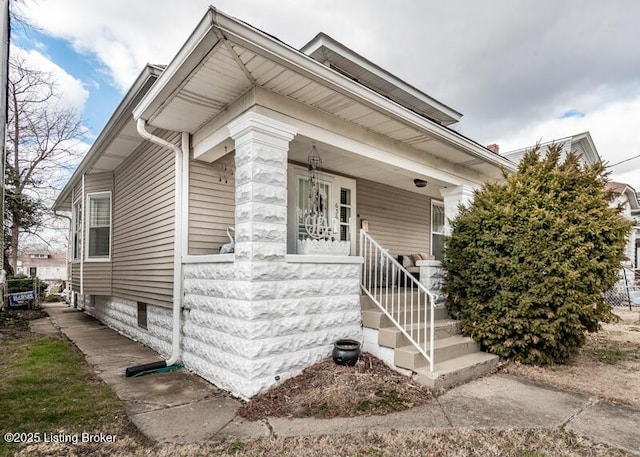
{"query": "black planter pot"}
{"type": "Point", "coordinates": [346, 352]}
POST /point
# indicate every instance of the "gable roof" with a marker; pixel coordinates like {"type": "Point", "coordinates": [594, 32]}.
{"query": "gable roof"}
{"type": "Point", "coordinates": [582, 143]}
{"type": "Point", "coordinates": [620, 188]}
{"type": "Point", "coordinates": [225, 57]}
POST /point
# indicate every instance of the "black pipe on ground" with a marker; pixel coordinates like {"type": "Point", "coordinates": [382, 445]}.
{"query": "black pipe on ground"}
{"type": "Point", "coordinates": [132, 371]}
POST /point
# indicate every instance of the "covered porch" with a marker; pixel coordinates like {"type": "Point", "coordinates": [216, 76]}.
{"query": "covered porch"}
{"type": "Point", "coordinates": [251, 109]}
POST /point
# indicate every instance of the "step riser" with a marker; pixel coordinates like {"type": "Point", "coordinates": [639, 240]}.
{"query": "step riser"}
{"type": "Point", "coordinates": [460, 376]}
{"type": "Point", "coordinates": [393, 338]}
{"type": "Point", "coordinates": [367, 303]}
{"type": "Point", "coordinates": [414, 360]}
{"type": "Point", "coordinates": [375, 318]}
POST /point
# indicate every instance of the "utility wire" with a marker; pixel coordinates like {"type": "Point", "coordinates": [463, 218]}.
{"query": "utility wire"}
{"type": "Point", "coordinates": [623, 161]}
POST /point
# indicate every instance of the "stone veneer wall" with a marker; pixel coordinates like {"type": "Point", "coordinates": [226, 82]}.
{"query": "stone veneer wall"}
{"type": "Point", "coordinates": [245, 338]}
{"type": "Point", "coordinates": [122, 315]}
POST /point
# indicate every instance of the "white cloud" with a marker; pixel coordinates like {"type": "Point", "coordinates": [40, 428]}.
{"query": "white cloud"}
{"type": "Point", "coordinates": [72, 91]}
{"type": "Point", "coordinates": [512, 68]}
{"type": "Point", "coordinates": [613, 128]}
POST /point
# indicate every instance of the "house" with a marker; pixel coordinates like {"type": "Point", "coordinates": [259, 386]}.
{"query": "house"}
{"type": "Point", "coordinates": [49, 266]}
{"type": "Point", "coordinates": [241, 130]}
{"type": "Point", "coordinates": [625, 197]}
{"type": "Point", "coordinates": [582, 143]}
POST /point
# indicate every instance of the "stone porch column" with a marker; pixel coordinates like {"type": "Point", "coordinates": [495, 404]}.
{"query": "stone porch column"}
{"type": "Point", "coordinates": [453, 197]}
{"type": "Point", "coordinates": [262, 145]}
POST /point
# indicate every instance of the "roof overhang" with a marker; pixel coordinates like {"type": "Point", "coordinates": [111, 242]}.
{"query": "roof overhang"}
{"type": "Point", "coordinates": [330, 52]}
{"type": "Point", "coordinates": [116, 140]}
{"type": "Point", "coordinates": [224, 58]}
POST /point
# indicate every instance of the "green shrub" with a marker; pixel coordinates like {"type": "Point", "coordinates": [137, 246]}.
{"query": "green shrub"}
{"type": "Point", "coordinates": [23, 283]}
{"type": "Point", "coordinates": [528, 262]}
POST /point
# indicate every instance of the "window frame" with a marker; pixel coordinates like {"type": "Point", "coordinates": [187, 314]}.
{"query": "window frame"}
{"type": "Point", "coordinates": [87, 231]}
{"type": "Point", "coordinates": [77, 224]}
{"type": "Point", "coordinates": [440, 204]}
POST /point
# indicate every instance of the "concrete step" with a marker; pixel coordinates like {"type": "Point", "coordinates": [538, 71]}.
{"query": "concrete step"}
{"type": "Point", "coordinates": [375, 318]}
{"type": "Point", "coordinates": [398, 299]}
{"type": "Point", "coordinates": [392, 337]}
{"type": "Point", "coordinates": [457, 371]}
{"type": "Point", "coordinates": [410, 358]}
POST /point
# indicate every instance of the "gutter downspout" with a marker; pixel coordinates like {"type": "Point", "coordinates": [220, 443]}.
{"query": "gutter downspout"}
{"type": "Point", "coordinates": [177, 251]}
{"type": "Point", "coordinates": [83, 234]}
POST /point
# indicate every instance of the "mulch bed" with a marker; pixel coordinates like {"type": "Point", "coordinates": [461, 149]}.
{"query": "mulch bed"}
{"type": "Point", "coordinates": [327, 390]}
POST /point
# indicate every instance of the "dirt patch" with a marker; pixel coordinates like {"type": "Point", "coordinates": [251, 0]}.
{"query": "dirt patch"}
{"type": "Point", "coordinates": [13, 323]}
{"type": "Point", "coordinates": [606, 367]}
{"type": "Point", "coordinates": [328, 390]}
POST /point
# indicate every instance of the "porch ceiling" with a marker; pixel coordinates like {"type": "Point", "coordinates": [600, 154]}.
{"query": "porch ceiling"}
{"type": "Point", "coordinates": [352, 165]}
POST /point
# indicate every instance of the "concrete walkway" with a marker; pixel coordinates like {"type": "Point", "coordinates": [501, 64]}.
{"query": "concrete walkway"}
{"type": "Point", "coordinates": [180, 407]}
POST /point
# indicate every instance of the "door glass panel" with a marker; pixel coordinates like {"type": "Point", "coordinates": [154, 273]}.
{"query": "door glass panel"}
{"type": "Point", "coordinates": [305, 203]}
{"type": "Point", "coordinates": [345, 214]}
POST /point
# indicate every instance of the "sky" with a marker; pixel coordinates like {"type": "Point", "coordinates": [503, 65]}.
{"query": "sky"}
{"type": "Point", "coordinates": [520, 71]}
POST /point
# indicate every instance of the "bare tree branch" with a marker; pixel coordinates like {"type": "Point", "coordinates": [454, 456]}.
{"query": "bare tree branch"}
{"type": "Point", "coordinates": [42, 144]}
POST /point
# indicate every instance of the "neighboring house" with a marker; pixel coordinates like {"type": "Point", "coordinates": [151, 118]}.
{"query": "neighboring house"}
{"type": "Point", "coordinates": [222, 137]}
{"type": "Point", "coordinates": [625, 196]}
{"type": "Point", "coordinates": [580, 143]}
{"type": "Point", "coordinates": [46, 265]}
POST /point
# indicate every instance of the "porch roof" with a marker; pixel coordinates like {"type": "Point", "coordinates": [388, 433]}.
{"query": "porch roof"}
{"type": "Point", "coordinates": [224, 58]}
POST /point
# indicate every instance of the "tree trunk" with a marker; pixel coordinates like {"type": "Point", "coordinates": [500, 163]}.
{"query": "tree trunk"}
{"type": "Point", "coordinates": [13, 259]}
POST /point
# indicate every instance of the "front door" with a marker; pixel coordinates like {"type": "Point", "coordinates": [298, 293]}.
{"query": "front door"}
{"type": "Point", "coordinates": [337, 207]}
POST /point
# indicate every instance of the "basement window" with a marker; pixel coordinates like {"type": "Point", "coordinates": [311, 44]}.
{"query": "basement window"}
{"type": "Point", "coordinates": [142, 315]}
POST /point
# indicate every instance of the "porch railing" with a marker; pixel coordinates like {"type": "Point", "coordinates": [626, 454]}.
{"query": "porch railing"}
{"type": "Point", "coordinates": [402, 298]}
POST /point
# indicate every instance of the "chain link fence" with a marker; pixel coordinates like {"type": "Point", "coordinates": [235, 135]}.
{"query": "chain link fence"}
{"type": "Point", "coordinates": [626, 292]}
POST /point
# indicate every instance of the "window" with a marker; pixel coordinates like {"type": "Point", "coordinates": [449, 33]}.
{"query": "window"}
{"type": "Point", "coordinates": [76, 230]}
{"type": "Point", "coordinates": [99, 227]}
{"type": "Point", "coordinates": [142, 315]}
{"type": "Point", "coordinates": [437, 229]}
{"type": "Point", "coordinates": [33, 272]}
{"type": "Point", "coordinates": [345, 214]}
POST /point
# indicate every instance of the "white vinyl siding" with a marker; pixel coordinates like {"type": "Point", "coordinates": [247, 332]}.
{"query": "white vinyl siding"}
{"type": "Point", "coordinates": [398, 219]}
{"type": "Point", "coordinates": [212, 205]}
{"type": "Point", "coordinates": [143, 224]}
{"type": "Point", "coordinates": [96, 276]}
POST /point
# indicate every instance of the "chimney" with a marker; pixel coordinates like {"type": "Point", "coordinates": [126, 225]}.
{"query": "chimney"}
{"type": "Point", "coordinates": [494, 148]}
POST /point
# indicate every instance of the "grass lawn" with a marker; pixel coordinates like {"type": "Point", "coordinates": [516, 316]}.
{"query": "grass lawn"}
{"type": "Point", "coordinates": [47, 387]}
